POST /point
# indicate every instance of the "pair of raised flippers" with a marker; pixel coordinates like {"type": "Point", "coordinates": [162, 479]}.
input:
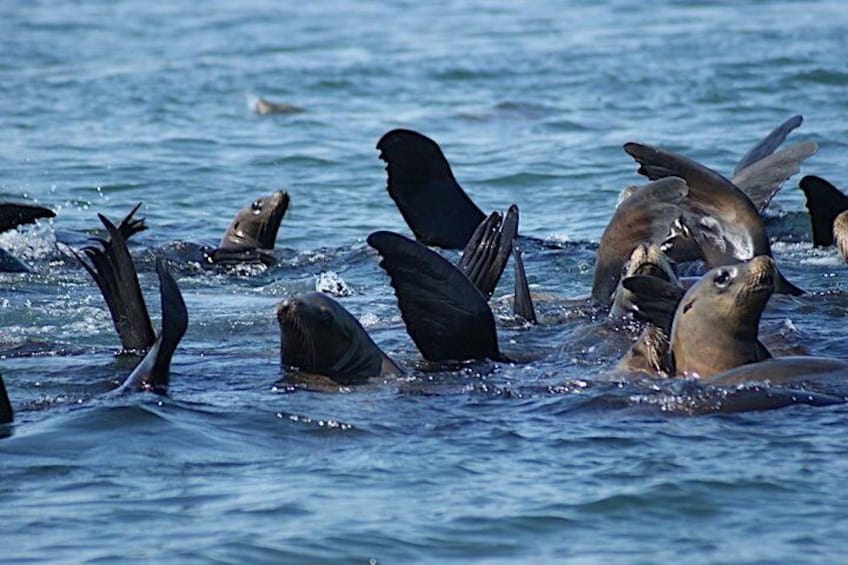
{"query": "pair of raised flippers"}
{"type": "Point", "coordinates": [111, 266]}
{"type": "Point", "coordinates": [445, 307]}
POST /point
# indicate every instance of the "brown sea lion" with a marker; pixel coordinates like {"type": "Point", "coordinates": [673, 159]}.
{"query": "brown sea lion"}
{"type": "Point", "coordinates": [716, 325]}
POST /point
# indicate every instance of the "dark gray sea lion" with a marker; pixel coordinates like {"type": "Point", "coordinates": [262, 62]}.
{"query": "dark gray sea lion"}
{"type": "Point", "coordinates": [12, 216]}
{"type": "Point", "coordinates": [6, 414]}
{"type": "Point", "coordinates": [718, 217]}
{"type": "Point", "coordinates": [646, 215]}
{"type": "Point", "coordinates": [265, 107]}
{"type": "Point", "coordinates": [828, 207]}
{"type": "Point", "coordinates": [421, 183]}
{"type": "Point", "coordinates": [253, 232]}
{"type": "Point", "coordinates": [318, 336]}
{"type": "Point", "coordinates": [716, 326]}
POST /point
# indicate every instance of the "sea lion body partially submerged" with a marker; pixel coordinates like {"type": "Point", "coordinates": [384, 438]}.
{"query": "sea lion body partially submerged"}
{"type": "Point", "coordinates": [716, 326]}
{"type": "Point", "coordinates": [253, 232]}
{"type": "Point", "coordinates": [319, 336]}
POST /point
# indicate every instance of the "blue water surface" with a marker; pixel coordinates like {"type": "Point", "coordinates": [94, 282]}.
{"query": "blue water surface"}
{"type": "Point", "coordinates": [106, 104]}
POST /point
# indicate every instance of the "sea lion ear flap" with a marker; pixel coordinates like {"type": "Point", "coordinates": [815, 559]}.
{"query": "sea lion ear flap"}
{"type": "Point", "coordinates": [825, 202]}
{"type": "Point", "coordinates": [421, 183]}
{"type": "Point", "coordinates": [654, 300]}
{"type": "Point", "coordinates": [485, 257]}
{"type": "Point", "coordinates": [6, 414]}
{"type": "Point", "coordinates": [445, 314]}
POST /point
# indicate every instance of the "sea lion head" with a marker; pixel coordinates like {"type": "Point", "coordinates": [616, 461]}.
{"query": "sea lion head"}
{"type": "Point", "coordinates": [319, 336]}
{"type": "Point", "coordinates": [647, 259]}
{"type": "Point", "coordinates": [717, 323]}
{"type": "Point", "coordinates": [256, 225]}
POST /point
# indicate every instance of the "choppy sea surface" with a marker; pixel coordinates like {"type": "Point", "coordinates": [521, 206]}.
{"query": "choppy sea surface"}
{"type": "Point", "coordinates": [106, 104]}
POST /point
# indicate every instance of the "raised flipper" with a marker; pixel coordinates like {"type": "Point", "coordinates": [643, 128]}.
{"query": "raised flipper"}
{"type": "Point", "coordinates": [6, 414]}
{"type": "Point", "coordinates": [422, 185]}
{"type": "Point", "coordinates": [152, 374]}
{"type": "Point", "coordinates": [723, 220]}
{"type": "Point", "coordinates": [771, 142]}
{"type": "Point", "coordinates": [111, 266]}
{"type": "Point", "coordinates": [130, 226]}
{"type": "Point", "coordinates": [484, 258]}
{"type": "Point", "coordinates": [761, 180]}
{"type": "Point", "coordinates": [445, 314]}
{"type": "Point", "coordinates": [522, 305]}
{"type": "Point", "coordinates": [14, 215]}
{"type": "Point", "coordinates": [654, 300]}
{"type": "Point", "coordinates": [825, 202]}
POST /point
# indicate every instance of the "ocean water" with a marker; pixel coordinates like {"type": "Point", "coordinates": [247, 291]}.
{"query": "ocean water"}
{"type": "Point", "coordinates": [106, 104]}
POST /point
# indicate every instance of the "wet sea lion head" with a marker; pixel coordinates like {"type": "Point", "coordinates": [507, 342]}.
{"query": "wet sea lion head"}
{"type": "Point", "coordinates": [716, 325]}
{"type": "Point", "coordinates": [319, 336]}
{"type": "Point", "coordinates": [257, 224]}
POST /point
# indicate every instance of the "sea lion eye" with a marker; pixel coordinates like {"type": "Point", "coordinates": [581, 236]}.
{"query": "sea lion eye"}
{"type": "Point", "coordinates": [722, 278]}
{"type": "Point", "coordinates": [324, 315]}
{"type": "Point", "coordinates": [256, 206]}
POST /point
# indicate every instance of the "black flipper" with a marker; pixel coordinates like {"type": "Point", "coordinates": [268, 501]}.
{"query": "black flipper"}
{"type": "Point", "coordinates": [445, 314]}
{"type": "Point", "coordinates": [152, 374]}
{"type": "Point", "coordinates": [825, 202]}
{"type": "Point", "coordinates": [130, 226]}
{"type": "Point", "coordinates": [14, 215]}
{"type": "Point", "coordinates": [422, 185]}
{"type": "Point", "coordinates": [6, 414]}
{"type": "Point", "coordinates": [771, 142]}
{"type": "Point", "coordinates": [485, 257]}
{"type": "Point", "coordinates": [522, 305]}
{"type": "Point", "coordinates": [761, 180]}
{"type": "Point", "coordinates": [655, 300]}
{"type": "Point", "coordinates": [111, 266]}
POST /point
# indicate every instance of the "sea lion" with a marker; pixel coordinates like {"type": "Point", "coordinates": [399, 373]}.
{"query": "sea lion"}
{"type": "Point", "coordinates": [646, 215]}
{"type": "Point", "coordinates": [422, 185]}
{"type": "Point", "coordinates": [265, 107]}
{"type": "Point", "coordinates": [253, 232]}
{"type": "Point", "coordinates": [716, 326]}
{"type": "Point", "coordinates": [828, 217]}
{"type": "Point", "coordinates": [722, 222]}
{"type": "Point", "coordinates": [12, 216]}
{"type": "Point", "coordinates": [646, 260]}
{"type": "Point", "coordinates": [319, 336]}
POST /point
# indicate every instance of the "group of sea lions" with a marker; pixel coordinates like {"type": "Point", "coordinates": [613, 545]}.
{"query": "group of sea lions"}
{"type": "Point", "coordinates": [705, 329]}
